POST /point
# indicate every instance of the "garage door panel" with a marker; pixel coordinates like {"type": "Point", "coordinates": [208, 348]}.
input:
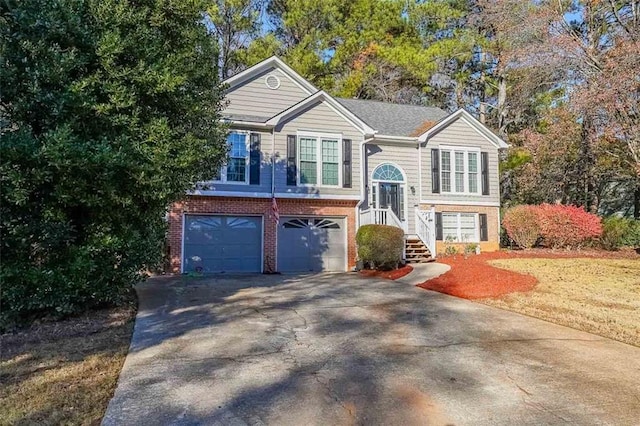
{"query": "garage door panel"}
{"type": "Point", "coordinates": [222, 243]}
{"type": "Point", "coordinates": [311, 244]}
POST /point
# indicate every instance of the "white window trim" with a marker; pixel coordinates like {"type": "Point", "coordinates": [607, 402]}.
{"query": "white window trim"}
{"type": "Point", "coordinates": [466, 151]}
{"type": "Point", "coordinates": [319, 136]}
{"type": "Point", "coordinates": [476, 237]}
{"type": "Point", "coordinates": [223, 168]}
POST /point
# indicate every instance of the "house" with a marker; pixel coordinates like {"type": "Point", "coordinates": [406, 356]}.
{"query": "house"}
{"type": "Point", "coordinates": [305, 170]}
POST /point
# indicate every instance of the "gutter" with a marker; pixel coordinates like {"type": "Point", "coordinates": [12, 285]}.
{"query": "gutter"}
{"type": "Point", "coordinates": [391, 138]}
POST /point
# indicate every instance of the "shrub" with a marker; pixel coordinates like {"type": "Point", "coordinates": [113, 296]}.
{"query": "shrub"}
{"type": "Point", "coordinates": [614, 230]}
{"type": "Point", "coordinates": [632, 237]}
{"type": "Point", "coordinates": [567, 226]}
{"type": "Point", "coordinates": [521, 224]}
{"type": "Point", "coordinates": [380, 246]}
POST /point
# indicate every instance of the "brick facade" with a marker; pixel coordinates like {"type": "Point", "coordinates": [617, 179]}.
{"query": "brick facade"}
{"type": "Point", "coordinates": [493, 225]}
{"type": "Point", "coordinates": [260, 207]}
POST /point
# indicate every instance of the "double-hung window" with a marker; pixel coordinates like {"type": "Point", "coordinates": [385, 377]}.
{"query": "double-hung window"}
{"type": "Point", "coordinates": [319, 159]}
{"type": "Point", "coordinates": [463, 164]}
{"type": "Point", "coordinates": [236, 169]}
{"type": "Point", "coordinates": [460, 227]}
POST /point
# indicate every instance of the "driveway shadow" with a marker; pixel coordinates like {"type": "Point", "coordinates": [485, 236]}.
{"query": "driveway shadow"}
{"type": "Point", "coordinates": [340, 349]}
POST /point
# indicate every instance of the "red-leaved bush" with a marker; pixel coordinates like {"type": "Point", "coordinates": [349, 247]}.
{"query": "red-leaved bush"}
{"type": "Point", "coordinates": [567, 226]}
{"type": "Point", "coordinates": [553, 225]}
{"type": "Point", "coordinates": [521, 224]}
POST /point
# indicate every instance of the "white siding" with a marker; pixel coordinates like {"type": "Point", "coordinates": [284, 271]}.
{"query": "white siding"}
{"type": "Point", "coordinates": [319, 118]}
{"type": "Point", "coordinates": [255, 98]}
{"type": "Point", "coordinates": [460, 133]}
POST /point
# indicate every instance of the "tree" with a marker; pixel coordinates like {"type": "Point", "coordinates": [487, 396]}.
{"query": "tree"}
{"type": "Point", "coordinates": [235, 24]}
{"type": "Point", "coordinates": [109, 113]}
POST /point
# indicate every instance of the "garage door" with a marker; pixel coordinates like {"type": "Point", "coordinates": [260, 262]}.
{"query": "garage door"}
{"type": "Point", "coordinates": [311, 244]}
{"type": "Point", "coordinates": [222, 244]}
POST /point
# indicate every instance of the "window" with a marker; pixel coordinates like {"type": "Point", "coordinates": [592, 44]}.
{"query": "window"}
{"type": "Point", "coordinates": [308, 162]}
{"type": "Point", "coordinates": [461, 227]}
{"type": "Point", "coordinates": [236, 169]}
{"type": "Point", "coordinates": [459, 171]}
{"type": "Point", "coordinates": [319, 160]}
{"type": "Point", "coordinates": [387, 173]}
{"type": "Point", "coordinates": [465, 168]}
{"type": "Point", "coordinates": [446, 171]}
{"type": "Point", "coordinates": [473, 171]}
{"type": "Point", "coordinates": [330, 158]}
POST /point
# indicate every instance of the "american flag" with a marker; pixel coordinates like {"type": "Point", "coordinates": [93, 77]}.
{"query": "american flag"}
{"type": "Point", "coordinates": [274, 207]}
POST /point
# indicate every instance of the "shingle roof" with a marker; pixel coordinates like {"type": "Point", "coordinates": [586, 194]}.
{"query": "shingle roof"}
{"type": "Point", "coordinates": [394, 119]}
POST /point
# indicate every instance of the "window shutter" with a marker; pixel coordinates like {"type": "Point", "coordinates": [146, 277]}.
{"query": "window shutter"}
{"type": "Point", "coordinates": [435, 171]}
{"type": "Point", "coordinates": [346, 163]}
{"type": "Point", "coordinates": [254, 159]}
{"type": "Point", "coordinates": [291, 160]}
{"type": "Point", "coordinates": [484, 160]}
{"type": "Point", "coordinates": [484, 231]}
{"type": "Point", "coordinates": [439, 227]}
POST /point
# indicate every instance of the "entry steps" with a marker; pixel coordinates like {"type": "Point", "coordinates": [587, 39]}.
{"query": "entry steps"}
{"type": "Point", "coordinates": [416, 251]}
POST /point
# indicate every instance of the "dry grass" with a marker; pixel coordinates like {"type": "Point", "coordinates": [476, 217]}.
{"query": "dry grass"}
{"type": "Point", "coordinates": [600, 296]}
{"type": "Point", "coordinates": [63, 372]}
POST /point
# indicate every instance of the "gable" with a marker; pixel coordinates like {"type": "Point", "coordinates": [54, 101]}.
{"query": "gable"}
{"type": "Point", "coordinates": [320, 116]}
{"type": "Point", "coordinates": [461, 133]}
{"type": "Point", "coordinates": [253, 97]}
{"type": "Point", "coordinates": [472, 125]}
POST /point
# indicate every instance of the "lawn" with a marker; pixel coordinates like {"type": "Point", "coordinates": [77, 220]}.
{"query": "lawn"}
{"type": "Point", "coordinates": [594, 291]}
{"type": "Point", "coordinates": [601, 296]}
{"type": "Point", "coordinates": [63, 372]}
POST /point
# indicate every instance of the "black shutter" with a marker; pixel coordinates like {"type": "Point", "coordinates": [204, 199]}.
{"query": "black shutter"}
{"type": "Point", "coordinates": [435, 171]}
{"type": "Point", "coordinates": [254, 159]}
{"type": "Point", "coordinates": [484, 232]}
{"type": "Point", "coordinates": [346, 163]}
{"type": "Point", "coordinates": [439, 227]}
{"type": "Point", "coordinates": [291, 160]}
{"type": "Point", "coordinates": [484, 157]}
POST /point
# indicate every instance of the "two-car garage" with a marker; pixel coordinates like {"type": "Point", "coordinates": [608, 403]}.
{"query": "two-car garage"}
{"type": "Point", "coordinates": [234, 244]}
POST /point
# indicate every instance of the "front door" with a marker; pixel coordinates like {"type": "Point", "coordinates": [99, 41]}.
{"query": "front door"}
{"type": "Point", "coordinates": [390, 197]}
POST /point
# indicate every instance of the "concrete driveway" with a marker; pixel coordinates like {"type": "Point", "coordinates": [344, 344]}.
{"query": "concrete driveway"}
{"type": "Point", "coordinates": [340, 349]}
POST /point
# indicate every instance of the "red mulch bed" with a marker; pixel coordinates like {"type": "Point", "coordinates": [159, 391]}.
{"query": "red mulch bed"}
{"type": "Point", "coordinates": [474, 278]}
{"type": "Point", "coordinates": [390, 275]}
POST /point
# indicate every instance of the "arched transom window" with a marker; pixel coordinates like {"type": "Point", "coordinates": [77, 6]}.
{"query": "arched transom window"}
{"type": "Point", "coordinates": [387, 173]}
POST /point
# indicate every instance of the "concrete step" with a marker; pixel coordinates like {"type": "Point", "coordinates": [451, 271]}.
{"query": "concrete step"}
{"type": "Point", "coordinates": [422, 260]}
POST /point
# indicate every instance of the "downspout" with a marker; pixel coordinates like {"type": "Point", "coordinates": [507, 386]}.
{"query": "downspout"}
{"type": "Point", "coordinates": [273, 162]}
{"type": "Point", "coordinates": [363, 179]}
{"type": "Point", "coordinates": [419, 180]}
{"type": "Point", "coordinates": [273, 194]}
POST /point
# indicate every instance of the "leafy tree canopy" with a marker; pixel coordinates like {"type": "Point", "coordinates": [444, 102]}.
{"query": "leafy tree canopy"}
{"type": "Point", "coordinates": [109, 112]}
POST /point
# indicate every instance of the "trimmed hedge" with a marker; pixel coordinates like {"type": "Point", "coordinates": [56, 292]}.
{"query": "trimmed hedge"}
{"type": "Point", "coordinates": [551, 225]}
{"type": "Point", "coordinates": [380, 246]}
